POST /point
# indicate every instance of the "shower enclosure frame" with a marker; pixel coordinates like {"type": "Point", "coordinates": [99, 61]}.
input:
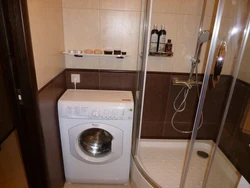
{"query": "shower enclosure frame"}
{"type": "Point", "coordinates": [210, 61]}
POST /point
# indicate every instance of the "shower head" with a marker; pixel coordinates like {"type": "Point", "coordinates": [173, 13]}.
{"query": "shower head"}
{"type": "Point", "coordinates": [204, 36]}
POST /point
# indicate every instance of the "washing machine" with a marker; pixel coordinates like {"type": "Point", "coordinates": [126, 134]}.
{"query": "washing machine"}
{"type": "Point", "coordinates": [96, 132]}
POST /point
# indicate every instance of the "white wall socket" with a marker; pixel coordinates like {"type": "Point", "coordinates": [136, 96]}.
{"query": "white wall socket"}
{"type": "Point", "coordinates": [75, 77]}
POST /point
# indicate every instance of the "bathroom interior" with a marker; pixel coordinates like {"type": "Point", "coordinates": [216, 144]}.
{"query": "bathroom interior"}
{"type": "Point", "coordinates": [192, 109]}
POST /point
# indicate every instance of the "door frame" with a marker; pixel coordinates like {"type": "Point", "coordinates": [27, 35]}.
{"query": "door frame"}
{"type": "Point", "coordinates": [18, 64]}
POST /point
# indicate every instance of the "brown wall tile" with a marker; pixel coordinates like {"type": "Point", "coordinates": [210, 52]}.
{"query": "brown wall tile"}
{"type": "Point", "coordinates": [215, 101]}
{"type": "Point", "coordinates": [48, 98]}
{"type": "Point", "coordinates": [171, 133]}
{"type": "Point", "coordinates": [158, 108]}
{"type": "Point", "coordinates": [156, 95]}
{"type": "Point", "coordinates": [237, 104]}
{"type": "Point", "coordinates": [191, 103]}
{"type": "Point", "coordinates": [106, 80]}
{"type": "Point", "coordinates": [152, 130]}
{"type": "Point", "coordinates": [89, 79]}
{"type": "Point", "coordinates": [111, 81]}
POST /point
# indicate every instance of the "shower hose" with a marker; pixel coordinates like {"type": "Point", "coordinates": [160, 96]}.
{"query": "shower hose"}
{"type": "Point", "coordinates": [182, 106]}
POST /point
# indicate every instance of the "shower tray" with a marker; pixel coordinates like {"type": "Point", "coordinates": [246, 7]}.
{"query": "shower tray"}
{"type": "Point", "coordinates": [163, 161]}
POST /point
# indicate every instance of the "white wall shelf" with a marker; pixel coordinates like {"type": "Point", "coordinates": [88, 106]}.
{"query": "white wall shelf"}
{"type": "Point", "coordinates": [95, 55]}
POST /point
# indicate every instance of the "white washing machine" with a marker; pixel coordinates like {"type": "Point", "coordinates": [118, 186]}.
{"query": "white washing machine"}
{"type": "Point", "coordinates": [96, 131]}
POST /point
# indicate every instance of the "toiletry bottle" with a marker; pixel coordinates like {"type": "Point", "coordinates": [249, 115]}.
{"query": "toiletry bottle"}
{"type": "Point", "coordinates": [169, 46]}
{"type": "Point", "coordinates": [154, 39]}
{"type": "Point", "coordinates": [162, 39]}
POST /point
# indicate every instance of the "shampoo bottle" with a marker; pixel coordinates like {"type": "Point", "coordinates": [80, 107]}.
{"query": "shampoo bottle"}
{"type": "Point", "coordinates": [154, 39]}
{"type": "Point", "coordinates": [162, 39]}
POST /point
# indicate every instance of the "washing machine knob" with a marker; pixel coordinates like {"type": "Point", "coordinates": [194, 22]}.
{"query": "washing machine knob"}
{"type": "Point", "coordinates": [95, 113]}
{"type": "Point", "coordinates": [115, 112]}
{"type": "Point", "coordinates": [106, 112]}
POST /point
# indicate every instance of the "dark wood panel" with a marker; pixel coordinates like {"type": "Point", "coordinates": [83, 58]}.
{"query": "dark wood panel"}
{"type": "Point", "coordinates": [20, 72]}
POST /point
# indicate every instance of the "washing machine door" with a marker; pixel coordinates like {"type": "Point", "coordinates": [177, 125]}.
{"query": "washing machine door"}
{"type": "Point", "coordinates": [96, 143]}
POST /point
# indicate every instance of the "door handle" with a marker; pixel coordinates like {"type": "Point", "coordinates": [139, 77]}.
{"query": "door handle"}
{"type": "Point", "coordinates": [219, 63]}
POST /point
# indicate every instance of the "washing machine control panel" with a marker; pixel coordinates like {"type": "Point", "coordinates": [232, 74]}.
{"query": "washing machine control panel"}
{"type": "Point", "coordinates": [108, 113]}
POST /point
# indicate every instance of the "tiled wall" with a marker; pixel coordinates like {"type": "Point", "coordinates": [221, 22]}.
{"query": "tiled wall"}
{"type": "Point", "coordinates": [48, 97]}
{"type": "Point", "coordinates": [158, 108]}
{"type": "Point", "coordinates": [245, 65]}
{"type": "Point", "coordinates": [159, 97]}
{"type": "Point", "coordinates": [182, 20]}
{"type": "Point", "coordinates": [234, 141]}
{"type": "Point", "coordinates": [105, 80]}
{"type": "Point", "coordinates": [47, 38]}
{"type": "Point", "coordinates": [102, 24]}
{"type": "Point", "coordinates": [116, 24]}
{"type": "Point", "coordinates": [111, 24]}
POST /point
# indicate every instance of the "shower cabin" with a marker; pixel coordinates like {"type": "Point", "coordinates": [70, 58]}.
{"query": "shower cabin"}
{"type": "Point", "coordinates": [192, 119]}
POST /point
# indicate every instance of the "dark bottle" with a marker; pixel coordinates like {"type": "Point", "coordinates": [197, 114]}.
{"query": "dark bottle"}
{"type": "Point", "coordinates": [169, 46]}
{"type": "Point", "coordinates": [162, 39]}
{"type": "Point", "coordinates": [154, 39]}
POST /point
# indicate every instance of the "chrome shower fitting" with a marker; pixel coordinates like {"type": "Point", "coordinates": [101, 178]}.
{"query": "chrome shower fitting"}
{"type": "Point", "coordinates": [204, 36]}
{"type": "Point", "coordinates": [190, 83]}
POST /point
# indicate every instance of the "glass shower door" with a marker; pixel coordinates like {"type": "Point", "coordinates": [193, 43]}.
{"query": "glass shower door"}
{"type": "Point", "coordinates": [207, 165]}
{"type": "Point", "coordinates": [233, 140]}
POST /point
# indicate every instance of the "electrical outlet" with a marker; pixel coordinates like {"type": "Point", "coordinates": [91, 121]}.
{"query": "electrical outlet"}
{"type": "Point", "coordinates": [75, 78]}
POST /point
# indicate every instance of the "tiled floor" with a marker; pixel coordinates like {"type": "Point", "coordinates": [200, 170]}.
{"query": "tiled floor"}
{"type": "Point", "coordinates": [67, 185]}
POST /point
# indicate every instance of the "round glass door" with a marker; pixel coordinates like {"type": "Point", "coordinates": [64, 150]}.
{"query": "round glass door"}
{"type": "Point", "coordinates": [95, 142]}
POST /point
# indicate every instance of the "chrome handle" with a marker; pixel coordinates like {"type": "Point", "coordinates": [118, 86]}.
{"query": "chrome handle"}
{"type": "Point", "coordinates": [219, 62]}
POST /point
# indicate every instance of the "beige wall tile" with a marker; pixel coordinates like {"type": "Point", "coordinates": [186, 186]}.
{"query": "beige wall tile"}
{"type": "Point", "coordinates": [169, 20]}
{"type": "Point", "coordinates": [82, 63]}
{"type": "Point", "coordinates": [244, 72]}
{"type": "Point", "coordinates": [81, 28]}
{"type": "Point", "coordinates": [193, 7]}
{"type": "Point", "coordinates": [184, 50]}
{"type": "Point", "coordinates": [47, 38]}
{"type": "Point", "coordinates": [160, 64]}
{"type": "Point", "coordinates": [188, 26]}
{"type": "Point", "coordinates": [129, 63]}
{"type": "Point", "coordinates": [88, 28]}
{"type": "Point", "coordinates": [131, 5]}
{"type": "Point", "coordinates": [120, 30]}
{"type": "Point", "coordinates": [118, 26]}
{"type": "Point", "coordinates": [166, 6]}
{"type": "Point", "coordinates": [85, 4]}
{"type": "Point", "coordinates": [230, 9]}
{"type": "Point", "coordinates": [211, 7]}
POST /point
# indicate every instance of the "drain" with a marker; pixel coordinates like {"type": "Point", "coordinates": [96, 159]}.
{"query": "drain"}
{"type": "Point", "coordinates": [202, 154]}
